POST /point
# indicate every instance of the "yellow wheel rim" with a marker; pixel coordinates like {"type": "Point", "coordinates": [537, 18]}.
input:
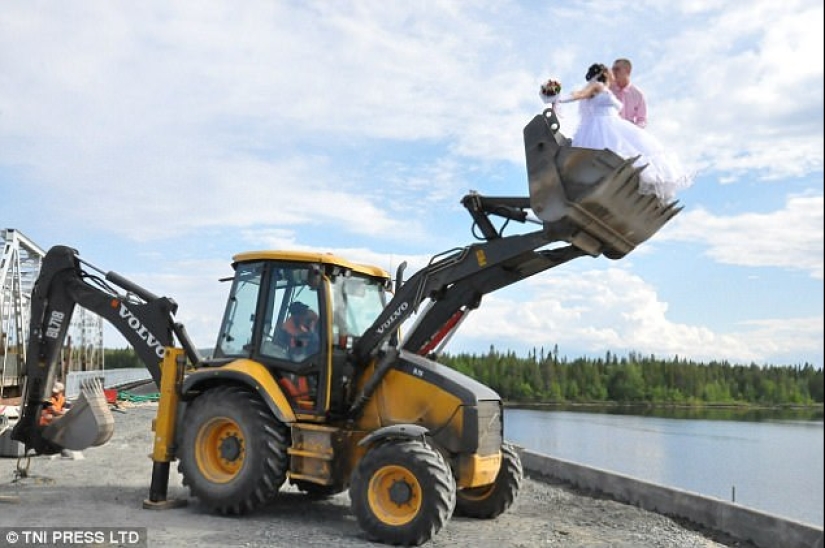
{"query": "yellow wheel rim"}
{"type": "Point", "coordinates": [220, 450]}
{"type": "Point", "coordinates": [395, 495]}
{"type": "Point", "coordinates": [477, 494]}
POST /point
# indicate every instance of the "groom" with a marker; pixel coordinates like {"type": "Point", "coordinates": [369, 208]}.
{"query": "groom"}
{"type": "Point", "coordinates": [634, 108]}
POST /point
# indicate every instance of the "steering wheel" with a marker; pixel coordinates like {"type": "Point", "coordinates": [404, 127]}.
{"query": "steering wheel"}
{"type": "Point", "coordinates": [305, 345]}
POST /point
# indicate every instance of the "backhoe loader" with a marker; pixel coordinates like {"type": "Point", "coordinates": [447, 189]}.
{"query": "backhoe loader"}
{"type": "Point", "coordinates": [312, 381]}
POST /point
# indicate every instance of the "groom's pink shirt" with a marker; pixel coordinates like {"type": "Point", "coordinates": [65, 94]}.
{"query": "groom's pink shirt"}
{"type": "Point", "coordinates": [633, 104]}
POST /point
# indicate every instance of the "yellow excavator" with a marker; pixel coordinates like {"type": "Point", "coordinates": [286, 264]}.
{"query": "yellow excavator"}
{"type": "Point", "coordinates": [312, 380]}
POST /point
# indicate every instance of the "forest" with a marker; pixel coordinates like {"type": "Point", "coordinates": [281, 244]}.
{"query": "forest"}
{"type": "Point", "coordinates": [635, 379]}
{"type": "Point", "coordinates": [545, 377]}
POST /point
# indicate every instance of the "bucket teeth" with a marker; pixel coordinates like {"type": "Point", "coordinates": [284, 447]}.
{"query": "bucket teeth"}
{"type": "Point", "coordinates": [89, 422]}
{"type": "Point", "coordinates": [589, 197]}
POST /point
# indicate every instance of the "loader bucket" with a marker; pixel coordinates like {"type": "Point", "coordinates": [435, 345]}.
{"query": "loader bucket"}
{"type": "Point", "coordinates": [89, 422]}
{"type": "Point", "coordinates": [588, 197]}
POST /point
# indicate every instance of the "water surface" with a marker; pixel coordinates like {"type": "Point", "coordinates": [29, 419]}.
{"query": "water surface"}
{"type": "Point", "coordinates": [773, 464]}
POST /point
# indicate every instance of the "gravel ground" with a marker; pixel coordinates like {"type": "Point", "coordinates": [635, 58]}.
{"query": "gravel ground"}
{"type": "Point", "coordinates": [106, 486]}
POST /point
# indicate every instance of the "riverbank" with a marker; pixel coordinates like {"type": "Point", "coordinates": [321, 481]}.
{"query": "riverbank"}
{"type": "Point", "coordinates": [746, 525]}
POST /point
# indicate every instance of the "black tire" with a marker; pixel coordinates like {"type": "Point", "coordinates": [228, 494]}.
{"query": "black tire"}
{"type": "Point", "coordinates": [492, 500]}
{"type": "Point", "coordinates": [233, 451]}
{"type": "Point", "coordinates": [402, 492]}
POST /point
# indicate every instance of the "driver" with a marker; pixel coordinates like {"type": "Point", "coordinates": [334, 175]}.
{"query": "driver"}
{"type": "Point", "coordinates": [300, 328]}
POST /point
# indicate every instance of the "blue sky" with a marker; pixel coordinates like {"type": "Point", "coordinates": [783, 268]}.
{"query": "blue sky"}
{"type": "Point", "coordinates": [161, 138]}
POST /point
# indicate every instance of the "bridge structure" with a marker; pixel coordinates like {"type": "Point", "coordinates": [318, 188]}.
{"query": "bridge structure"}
{"type": "Point", "coordinates": [20, 262]}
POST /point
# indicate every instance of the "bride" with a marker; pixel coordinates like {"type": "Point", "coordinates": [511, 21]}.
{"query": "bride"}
{"type": "Point", "coordinates": [600, 127]}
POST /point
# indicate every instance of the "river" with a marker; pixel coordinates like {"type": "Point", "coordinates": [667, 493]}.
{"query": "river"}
{"type": "Point", "coordinates": [770, 462]}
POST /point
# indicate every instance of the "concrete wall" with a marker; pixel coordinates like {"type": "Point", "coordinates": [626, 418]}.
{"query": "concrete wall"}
{"type": "Point", "coordinates": [761, 529]}
{"type": "Point", "coordinates": [112, 378]}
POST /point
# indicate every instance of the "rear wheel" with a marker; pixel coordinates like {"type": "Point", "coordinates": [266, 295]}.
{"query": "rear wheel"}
{"type": "Point", "coordinates": [402, 492]}
{"type": "Point", "coordinates": [233, 451]}
{"type": "Point", "coordinates": [490, 501]}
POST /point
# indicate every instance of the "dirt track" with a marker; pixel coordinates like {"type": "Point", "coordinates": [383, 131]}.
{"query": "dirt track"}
{"type": "Point", "coordinates": [107, 486]}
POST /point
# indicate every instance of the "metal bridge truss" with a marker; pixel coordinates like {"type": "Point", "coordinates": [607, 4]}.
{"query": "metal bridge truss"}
{"type": "Point", "coordinates": [20, 262]}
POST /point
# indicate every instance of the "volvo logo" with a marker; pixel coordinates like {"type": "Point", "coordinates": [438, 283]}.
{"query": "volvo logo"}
{"type": "Point", "coordinates": [393, 317]}
{"type": "Point", "coordinates": [141, 330]}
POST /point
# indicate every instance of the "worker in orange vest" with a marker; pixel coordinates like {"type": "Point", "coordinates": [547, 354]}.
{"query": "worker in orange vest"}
{"type": "Point", "coordinates": [299, 329]}
{"type": "Point", "coordinates": [299, 334]}
{"type": "Point", "coordinates": [55, 407]}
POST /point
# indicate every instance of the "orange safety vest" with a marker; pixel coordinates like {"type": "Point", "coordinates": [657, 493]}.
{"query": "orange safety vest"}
{"type": "Point", "coordinates": [293, 327]}
{"type": "Point", "coordinates": [298, 391]}
{"type": "Point", "coordinates": [58, 401]}
{"type": "Point", "coordinates": [53, 410]}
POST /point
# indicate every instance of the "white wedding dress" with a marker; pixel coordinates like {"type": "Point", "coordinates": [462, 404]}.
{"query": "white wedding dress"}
{"type": "Point", "coordinates": [600, 127]}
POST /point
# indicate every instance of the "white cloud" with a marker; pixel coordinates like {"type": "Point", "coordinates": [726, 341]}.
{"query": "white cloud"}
{"type": "Point", "coordinates": [741, 91]}
{"type": "Point", "coordinates": [615, 310]}
{"type": "Point", "coordinates": [150, 94]}
{"type": "Point", "coordinates": [789, 238]}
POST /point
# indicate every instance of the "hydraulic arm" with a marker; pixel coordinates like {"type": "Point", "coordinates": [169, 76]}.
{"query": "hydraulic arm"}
{"type": "Point", "coordinates": [456, 280]}
{"type": "Point", "coordinates": [144, 319]}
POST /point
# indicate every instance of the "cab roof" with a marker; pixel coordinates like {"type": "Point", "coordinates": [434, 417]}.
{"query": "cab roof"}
{"type": "Point", "coordinates": [310, 257]}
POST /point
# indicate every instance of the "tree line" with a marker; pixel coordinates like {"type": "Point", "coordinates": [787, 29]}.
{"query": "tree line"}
{"type": "Point", "coordinates": [545, 377]}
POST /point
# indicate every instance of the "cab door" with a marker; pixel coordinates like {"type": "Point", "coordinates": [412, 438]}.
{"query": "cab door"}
{"type": "Point", "coordinates": [260, 323]}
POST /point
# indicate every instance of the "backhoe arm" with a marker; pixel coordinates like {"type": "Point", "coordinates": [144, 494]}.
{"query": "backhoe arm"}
{"type": "Point", "coordinates": [145, 320]}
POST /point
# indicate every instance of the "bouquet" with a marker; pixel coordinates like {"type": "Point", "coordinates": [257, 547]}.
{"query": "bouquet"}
{"type": "Point", "coordinates": [550, 89]}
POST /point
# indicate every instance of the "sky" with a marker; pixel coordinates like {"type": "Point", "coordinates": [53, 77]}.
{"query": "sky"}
{"type": "Point", "coordinates": [161, 138]}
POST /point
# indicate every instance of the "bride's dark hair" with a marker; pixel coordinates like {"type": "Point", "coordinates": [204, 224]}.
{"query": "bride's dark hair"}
{"type": "Point", "coordinates": [598, 70]}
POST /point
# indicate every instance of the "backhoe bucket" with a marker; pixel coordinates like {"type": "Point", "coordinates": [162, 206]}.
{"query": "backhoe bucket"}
{"type": "Point", "coordinates": [589, 197]}
{"type": "Point", "coordinates": [89, 422]}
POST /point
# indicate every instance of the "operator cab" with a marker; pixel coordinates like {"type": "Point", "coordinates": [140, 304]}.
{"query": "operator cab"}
{"type": "Point", "coordinates": [298, 314]}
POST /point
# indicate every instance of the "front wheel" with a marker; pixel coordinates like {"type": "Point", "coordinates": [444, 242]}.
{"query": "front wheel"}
{"type": "Point", "coordinates": [402, 492]}
{"type": "Point", "coordinates": [233, 451]}
{"type": "Point", "coordinates": [489, 501]}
